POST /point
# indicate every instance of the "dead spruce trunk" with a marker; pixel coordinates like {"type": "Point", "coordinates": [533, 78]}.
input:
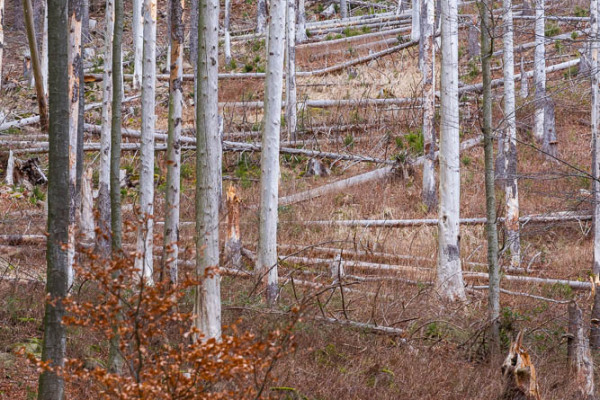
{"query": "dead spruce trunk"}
{"type": "Point", "coordinates": [415, 32]}
{"type": "Point", "coordinates": [261, 16]}
{"type": "Point", "coordinates": [2, 38]}
{"type": "Point", "coordinates": [580, 357]}
{"type": "Point", "coordinates": [266, 264]}
{"type": "Point", "coordinates": [539, 73]}
{"type": "Point", "coordinates": [449, 282]}
{"type": "Point", "coordinates": [207, 305]}
{"type": "Point", "coordinates": [226, 28]}
{"type": "Point", "coordinates": [290, 76]}
{"type": "Point", "coordinates": [137, 23]}
{"type": "Point", "coordinates": [520, 379]}
{"type": "Point", "coordinates": [233, 241]}
{"type": "Point", "coordinates": [301, 23]}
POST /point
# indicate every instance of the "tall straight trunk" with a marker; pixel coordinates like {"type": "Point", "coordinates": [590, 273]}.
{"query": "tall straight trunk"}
{"type": "Point", "coordinates": [44, 55]}
{"type": "Point", "coordinates": [594, 35]}
{"type": "Point", "coordinates": [207, 306]}
{"type": "Point", "coordinates": [399, 7]}
{"type": "Point", "coordinates": [511, 187]}
{"type": "Point", "coordinates": [261, 16]}
{"type": "Point", "coordinates": [83, 6]}
{"type": "Point", "coordinates": [343, 9]}
{"type": "Point", "coordinates": [485, 10]}
{"type": "Point", "coordinates": [107, 94]}
{"type": "Point", "coordinates": [74, 88]}
{"type": "Point", "coordinates": [449, 273]}
{"type": "Point", "coordinates": [137, 22]}
{"type": "Point", "coordinates": [36, 65]}
{"type": "Point", "coordinates": [266, 262]}
{"type": "Point", "coordinates": [51, 384]}
{"type": "Point", "coordinates": [145, 235]}
{"type": "Point", "coordinates": [580, 360]}
{"type": "Point", "coordinates": [301, 36]}
{"type": "Point", "coordinates": [115, 361]}
{"type": "Point", "coordinates": [416, 20]}
{"type": "Point", "coordinates": [539, 71]}
{"type": "Point", "coordinates": [226, 27]}
{"type": "Point", "coordinates": [429, 192]}
{"type": "Point", "coordinates": [290, 77]}
{"type": "Point", "coordinates": [171, 236]}
{"type": "Point", "coordinates": [1, 38]}
{"type": "Point", "coordinates": [194, 33]}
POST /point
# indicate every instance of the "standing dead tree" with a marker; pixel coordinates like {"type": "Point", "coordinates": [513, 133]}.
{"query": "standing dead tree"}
{"type": "Point", "coordinates": [579, 354]}
{"type": "Point", "coordinates": [520, 379]}
{"type": "Point", "coordinates": [595, 78]}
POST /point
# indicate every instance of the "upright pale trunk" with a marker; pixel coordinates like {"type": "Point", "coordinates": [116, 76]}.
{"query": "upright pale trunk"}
{"type": "Point", "coordinates": [266, 263]}
{"type": "Point", "coordinates": [171, 236]}
{"type": "Point", "coordinates": [429, 193]}
{"type": "Point", "coordinates": [449, 283]}
{"type": "Point", "coordinates": [51, 384]}
{"type": "Point", "coordinates": [343, 9]}
{"type": "Point", "coordinates": [290, 77]}
{"type": "Point", "coordinates": [104, 175]}
{"type": "Point", "coordinates": [2, 38]}
{"type": "Point", "coordinates": [399, 7]}
{"type": "Point", "coordinates": [145, 236]}
{"type": "Point", "coordinates": [416, 20]}
{"type": "Point", "coordinates": [301, 21]}
{"type": "Point", "coordinates": [207, 306]}
{"type": "Point", "coordinates": [75, 85]}
{"type": "Point", "coordinates": [511, 189]}
{"type": "Point", "coordinates": [524, 81]}
{"type": "Point", "coordinates": [137, 22]}
{"type": "Point", "coordinates": [233, 242]}
{"type": "Point", "coordinates": [115, 131]}
{"type": "Point", "coordinates": [86, 221]}
{"type": "Point", "coordinates": [261, 16]}
{"type": "Point", "coordinates": [44, 55]}
{"type": "Point", "coordinates": [226, 27]}
{"type": "Point", "coordinates": [594, 35]}
{"type": "Point", "coordinates": [539, 72]}
{"type": "Point", "coordinates": [193, 33]}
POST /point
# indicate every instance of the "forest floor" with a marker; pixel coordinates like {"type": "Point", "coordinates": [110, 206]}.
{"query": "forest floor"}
{"type": "Point", "coordinates": [443, 351]}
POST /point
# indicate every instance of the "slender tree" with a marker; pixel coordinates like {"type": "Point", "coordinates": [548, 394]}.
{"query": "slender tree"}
{"type": "Point", "coordinates": [207, 306]}
{"type": "Point", "coordinates": [301, 23]}
{"type": "Point", "coordinates": [511, 188]}
{"type": "Point", "coordinates": [1, 38]}
{"type": "Point", "coordinates": [429, 192]}
{"type": "Point", "coordinates": [266, 263]}
{"type": "Point", "coordinates": [35, 60]}
{"type": "Point", "coordinates": [145, 236]}
{"type": "Point", "coordinates": [524, 81]}
{"type": "Point", "coordinates": [343, 9]}
{"type": "Point", "coordinates": [171, 236]}
{"type": "Point", "coordinates": [449, 274]}
{"type": "Point", "coordinates": [290, 77]}
{"type": "Point", "coordinates": [51, 384]}
{"type": "Point", "coordinates": [226, 27]}
{"type": "Point", "coordinates": [415, 32]}
{"type": "Point", "coordinates": [137, 23]}
{"type": "Point", "coordinates": [107, 94]}
{"type": "Point", "coordinates": [261, 16]}
{"type": "Point", "coordinates": [485, 12]}
{"type": "Point", "coordinates": [193, 33]}
{"type": "Point", "coordinates": [539, 72]}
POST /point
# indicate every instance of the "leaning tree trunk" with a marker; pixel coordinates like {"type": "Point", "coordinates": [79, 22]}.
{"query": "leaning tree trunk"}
{"type": "Point", "coordinates": [539, 72]}
{"type": "Point", "coordinates": [416, 20]}
{"type": "Point", "coordinates": [51, 384]}
{"type": "Point", "coordinates": [171, 236]}
{"type": "Point", "coordinates": [301, 23]}
{"type": "Point", "coordinates": [266, 263]}
{"type": "Point", "coordinates": [207, 306]}
{"type": "Point", "coordinates": [36, 65]}
{"type": "Point", "coordinates": [485, 10]}
{"type": "Point", "coordinates": [104, 175]}
{"type": "Point", "coordinates": [290, 77]}
{"type": "Point", "coordinates": [429, 192]}
{"type": "Point", "coordinates": [594, 34]}
{"type": "Point", "coordinates": [137, 22]}
{"type": "Point", "coordinates": [511, 189]}
{"type": "Point", "coordinates": [343, 9]}
{"type": "Point", "coordinates": [145, 234]}
{"type": "Point", "coordinates": [226, 27]}
{"type": "Point", "coordinates": [261, 16]}
{"type": "Point", "coordinates": [449, 274]}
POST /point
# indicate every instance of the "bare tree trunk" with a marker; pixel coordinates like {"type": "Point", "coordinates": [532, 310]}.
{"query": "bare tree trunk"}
{"type": "Point", "coordinates": [44, 56]}
{"type": "Point", "coordinates": [35, 60]}
{"type": "Point", "coordinates": [580, 360]}
{"type": "Point", "coordinates": [449, 273]}
{"type": "Point", "coordinates": [539, 75]}
{"type": "Point", "coordinates": [1, 38]}
{"type": "Point", "coordinates": [485, 10]}
{"type": "Point", "coordinates": [261, 16]}
{"type": "Point", "coordinates": [594, 35]}
{"type": "Point", "coordinates": [343, 9]}
{"type": "Point", "coordinates": [145, 235]}
{"type": "Point", "coordinates": [290, 77]}
{"type": "Point", "coordinates": [429, 192]}
{"type": "Point", "coordinates": [416, 19]}
{"type": "Point", "coordinates": [193, 33]}
{"type": "Point", "coordinates": [399, 7]}
{"type": "Point", "coordinates": [171, 236]}
{"type": "Point", "coordinates": [233, 241]}
{"type": "Point", "coordinates": [137, 22]}
{"type": "Point", "coordinates": [301, 21]}
{"type": "Point", "coordinates": [207, 306]}
{"type": "Point", "coordinates": [226, 27]}
{"type": "Point", "coordinates": [511, 188]}
{"type": "Point", "coordinates": [269, 180]}
{"type": "Point", "coordinates": [550, 143]}
{"type": "Point", "coordinates": [51, 384]}
{"type": "Point", "coordinates": [87, 227]}
{"type": "Point", "coordinates": [524, 81]}
{"type": "Point", "coordinates": [107, 95]}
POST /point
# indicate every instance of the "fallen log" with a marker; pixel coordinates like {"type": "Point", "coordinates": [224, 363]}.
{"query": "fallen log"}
{"type": "Point", "coordinates": [17, 240]}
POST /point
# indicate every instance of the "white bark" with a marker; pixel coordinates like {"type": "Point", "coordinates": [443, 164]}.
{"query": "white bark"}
{"type": "Point", "coordinates": [595, 128]}
{"type": "Point", "coordinates": [87, 227]}
{"type": "Point", "coordinates": [226, 27]}
{"type": "Point", "coordinates": [269, 180]}
{"type": "Point", "coordinates": [399, 7]}
{"type": "Point", "coordinates": [137, 22]}
{"type": "Point", "coordinates": [10, 169]}
{"type": "Point", "coordinates": [1, 38]}
{"type": "Point", "coordinates": [145, 234]}
{"type": "Point", "coordinates": [415, 33]}
{"type": "Point", "coordinates": [449, 274]}
{"type": "Point", "coordinates": [524, 81]}
{"type": "Point", "coordinates": [429, 193]}
{"type": "Point", "coordinates": [510, 144]}
{"type": "Point", "coordinates": [44, 55]}
{"type": "Point", "coordinates": [207, 306]}
{"type": "Point", "coordinates": [343, 9]}
{"type": "Point", "coordinates": [290, 76]}
{"type": "Point", "coordinates": [301, 21]}
{"type": "Point", "coordinates": [261, 17]}
{"type": "Point", "coordinates": [539, 75]}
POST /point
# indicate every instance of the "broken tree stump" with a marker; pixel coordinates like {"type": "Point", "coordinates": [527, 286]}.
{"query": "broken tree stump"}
{"type": "Point", "coordinates": [233, 242]}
